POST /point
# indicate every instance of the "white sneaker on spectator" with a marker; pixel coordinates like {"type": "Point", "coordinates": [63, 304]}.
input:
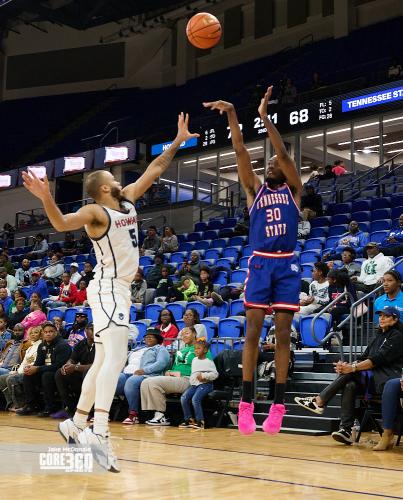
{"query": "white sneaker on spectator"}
{"type": "Point", "coordinates": [69, 430]}
{"type": "Point", "coordinates": [101, 448]}
{"type": "Point", "coordinates": [158, 419]}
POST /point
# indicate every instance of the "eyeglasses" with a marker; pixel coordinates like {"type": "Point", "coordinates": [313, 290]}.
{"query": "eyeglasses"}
{"type": "Point", "coordinates": [81, 315]}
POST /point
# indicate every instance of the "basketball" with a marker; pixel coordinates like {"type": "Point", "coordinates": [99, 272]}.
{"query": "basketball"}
{"type": "Point", "coordinates": [203, 30]}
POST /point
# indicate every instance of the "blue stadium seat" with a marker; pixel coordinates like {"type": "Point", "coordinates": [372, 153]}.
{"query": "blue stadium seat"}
{"type": "Point", "coordinates": [397, 212]}
{"type": "Point", "coordinates": [396, 200]}
{"type": "Point", "coordinates": [195, 236]}
{"type": "Point", "coordinates": [230, 222]}
{"type": "Point", "coordinates": [55, 312]}
{"type": "Point", "coordinates": [340, 208]}
{"type": "Point", "coordinates": [207, 262]}
{"type": "Point", "coordinates": [133, 314]}
{"type": "Point", "coordinates": [70, 315]}
{"type": "Point", "coordinates": [216, 347]}
{"type": "Point", "coordinates": [220, 311]}
{"type": "Point", "coordinates": [202, 245]}
{"type": "Point", "coordinates": [152, 311]}
{"type": "Point", "coordinates": [361, 216]}
{"type": "Point", "coordinates": [146, 260]}
{"type": "Point", "coordinates": [378, 236]}
{"type": "Point", "coordinates": [340, 219]}
{"type": "Point", "coordinates": [360, 205]}
{"type": "Point", "coordinates": [200, 226]}
{"type": "Point", "coordinates": [226, 232]}
{"type": "Point", "coordinates": [231, 327]}
{"type": "Point", "coordinates": [177, 309]}
{"type": "Point", "coordinates": [238, 241]}
{"type": "Point", "coordinates": [210, 234]}
{"type": "Point", "coordinates": [381, 213]}
{"type": "Point", "coordinates": [142, 328]}
{"type": "Point", "coordinates": [337, 230]}
{"type": "Point", "coordinates": [197, 306]}
{"type": "Point", "coordinates": [68, 259]}
{"type": "Point", "coordinates": [399, 267]}
{"type": "Point", "coordinates": [215, 224]}
{"type": "Point", "coordinates": [239, 275]}
{"type": "Point", "coordinates": [221, 278]}
{"type": "Point", "coordinates": [232, 252]}
{"type": "Point", "coordinates": [243, 262]}
{"type": "Point", "coordinates": [180, 324]}
{"type": "Point", "coordinates": [146, 269]}
{"type": "Point", "coordinates": [318, 232]}
{"type": "Point", "coordinates": [35, 263]}
{"type": "Point", "coordinates": [178, 257]}
{"type": "Point", "coordinates": [82, 257]}
{"type": "Point", "coordinates": [364, 226]}
{"type": "Point", "coordinates": [306, 270]}
{"type": "Point", "coordinates": [309, 256]}
{"type": "Point", "coordinates": [380, 203]}
{"type": "Point", "coordinates": [323, 221]}
{"type": "Point", "coordinates": [247, 251]}
{"type": "Point", "coordinates": [210, 327]}
{"type": "Point", "coordinates": [187, 246]}
{"type": "Point", "coordinates": [182, 237]}
{"type": "Point", "coordinates": [88, 310]}
{"type": "Point", "coordinates": [236, 307]}
{"type": "Point", "coordinates": [314, 244]}
{"type": "Point", "coordinates": [380, 225]}
{"type": "Point", "coordinates": [213, 253]}
{"type": "Point", "coordinates": [227, 262]}
{"type": "Point", "coordinates": [322, 328]}
{"type": "Point", "coordinates": [219, 243]}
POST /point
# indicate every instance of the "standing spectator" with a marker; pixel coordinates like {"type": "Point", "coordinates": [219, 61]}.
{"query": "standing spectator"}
{"type": "Point", "coordinates": [54, 272]}
{"type": "Point", "coordinates": [38, 285]}
{"type": "Point", "coordinates": [289, 92]}
{"type": "Point", "coordinates": [83, 244]}
{"type": "Point", "coordinates": [11, 355]}
{"type": "Point", "coordinates": [204, 372]}
{"type": "Point", "coordinates": [4, 262]}
{"type": "Point", "coordinates": [69, 244]}
{"type": "Point", "coordinates": [67, 294]}
{"type": "Point", "coordinates": [88, 273]}
{"type": "Point", "coordinates": [40, 247]}
{"type": "Point", "coordinates": [372, 269]}
{"type": "Point", "coordinates": [70, 376]}
{"type": "Point", "coordinates": [395, 70]}
{"type": "Point", "coordinates": [81, 297]}
{"type": "Point", "coordinates": [11, 281]}
{"type": "Point", "coordinates": [166, 324]}
{"type": "Point", "coordinates": [53, 353]}
{"type": "Point", "coordinates": [192, 268]}
{"type": "Point", "coordinates": [338, 168]}
{"type": "Point", "coordinates": [5, 300]}
{"type": "Point", "coordinates": [311, 203]}
{"type": "Point", "coordinates": [154, 274]}
{"type": "Point", "coordinates": [164, 284]}
{"type": "Point", "coordinates": [75, 275]}
{"type": "Point", "coordinates": [354, 238]}
{"type": "Point", "coordinates": [329, 174]}
{"type": "Point", "coordinates": [242, 226]}
{"type": "Point", "coordinates": [7, 235]}
{"type": "Point", "coordinates": [34, 318]}
{"type": "Point", "coordinates": [318, 290]}
{"type": "Point", "coordinates": [23, 274]}
{"type": "Point", "coordinates": [304, 227]}
{"type": "Point", "coordinates": [5, 333]}
{"type": "Point", "coordinates": [169, 242]}
{"type": "Point", "coordinates": [316, 81]}
{"type": "Point", "coordinates": [138, 288]}
{"type": "Point", "coordinates": [392, 244]}
{"type": "Point", "coordinates": [151, 242]}
{"type": "Point", "coordinates": [19, 315]}
{"type": "Point", "coordinates": [77, 332]}
{"type": "Point", "coordinates": [393, 296]}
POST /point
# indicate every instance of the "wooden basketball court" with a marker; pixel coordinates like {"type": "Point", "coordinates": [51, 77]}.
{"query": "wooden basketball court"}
{"type": "Point", "coordinates": [169, 463]}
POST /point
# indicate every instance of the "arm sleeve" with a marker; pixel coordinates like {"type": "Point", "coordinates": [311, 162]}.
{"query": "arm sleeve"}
{"type": "Point", "coordinates": [212, 374]}
{"type": "Point", "coordinates": [390, 351]}
{"type": "Point", "coordinates": [160, 364]}
{"type": "Point", "coordinates": [62, 354]}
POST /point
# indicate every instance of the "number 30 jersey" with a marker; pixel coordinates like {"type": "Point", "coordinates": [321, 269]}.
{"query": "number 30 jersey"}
{"type": "Point", "coordinates": [117, 251]}
{"type": "Point", "coordinates": [274, 219]}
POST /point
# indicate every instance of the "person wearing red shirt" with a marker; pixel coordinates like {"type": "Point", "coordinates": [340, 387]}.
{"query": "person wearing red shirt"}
{"type": "Point", "coordinates": [81, 296]}
{"type": "Point", "coordinates": [339, 168]}
{"type": "Point", "coordinates": [166, 324]}
{"type": "Point", "coordinates": [67, 294]}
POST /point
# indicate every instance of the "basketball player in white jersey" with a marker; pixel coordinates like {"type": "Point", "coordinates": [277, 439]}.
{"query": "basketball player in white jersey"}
{"type": "Point", "coordinates": [111, 223]}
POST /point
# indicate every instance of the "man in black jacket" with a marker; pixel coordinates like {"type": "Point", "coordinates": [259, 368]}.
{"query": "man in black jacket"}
{"type": "Point", "coordinates": [52, 354]}
{"type": "Point", "coordinates": [311, 203]}
{"type": "Point", "coordinates": [381, 361]}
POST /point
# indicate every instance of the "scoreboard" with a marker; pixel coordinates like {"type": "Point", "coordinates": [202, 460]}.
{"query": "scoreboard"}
{"type": "Point", "coordinates": [214, 131]}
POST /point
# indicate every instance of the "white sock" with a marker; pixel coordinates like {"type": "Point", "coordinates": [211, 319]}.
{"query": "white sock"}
{"type": "Point", "coordinates": [101, 423]}
{"type": "Point", "coordinates": [80, 420]}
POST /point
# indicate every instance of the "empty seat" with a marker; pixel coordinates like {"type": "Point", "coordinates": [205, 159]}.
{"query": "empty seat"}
{"type": "Point", "coordinates": [210, 327]}
{"type": "Point", "coordinates": [239, 275]}
{"type": "Point", "coordinates": [314, 244]}
{"type": "Point", "coordinates": [306, 270]}
{"type": "Point", "coordinates": [220, 278]}
{"type": "Point", "coordinates": [383, 202]}
{"type": "Point", "coordinates": [340, 208]}
{"type": "Point", "coordinates": [396, 212]}
{"type": "Point", "coordinates": [133, 314]}
{"type": "Point", "coordinates": [152, 311]}
{"type": "Point", "coordinates": [243, 262]}
{"type": "Point", "coordinates": [318, 232]}
{"type": "Point", "coordinates": [195, 236]}
{"type": "Point", "coordinates": [238, 241]}
{"type": "Point", "coordinates": [215, 224]}
{"type": "Point", "coordinates": [380, 225]}
{"type": "Point", "coordinates": [309, 256]}
{"type": "Point", "coordinates": [187, 246]}
{"type": "Point", "coordinates": [210, 234]}
{"type": "Point", "coordinates": [378, 236]}
{"type": "Point", "coordinates": [176, 308]}
{"type": "Point", "coordinates": [363, 216]}
{"type": "Point", "coordinates": [361, 205]}
{"type": "Point", "coordinates": [219, 310]}
{"type": "Point", "coordinates": [340, 219]}
{"type": "Point", "coordinates": [381, 213]}
{"type": "Point", "coordinates": [178, 257]}
{"type": "Point", "coordinates": [227, 262]}
{"type": "Point", "coordinates": [200, 226]}
{"type": "Point", "coordinates": [219, 243]}
{"type": "Point", "coordinates": [230, 222]}
{"type": "Point", "coordinates": [231, 327]}
{"type": "Point", "coordinates": [236, 307]}
{"type": "Point", "coordinates": [146, 260]}
{"type": "Point", "coordinates": [202, 245]}
{"type": "Point", "coordinates": [322, 327]}
{"type": "Point", "coordinates": [70, 315]}
{"type": "Point", "coordinates": [232, 252]}
{"type": "Point", "coordinates": [213, 253]}
{"type": "Point", "coordinates": [337, 230]}
{"type": "Point", "coordinates": [364, 226]}
{"type": "Point", "coordinates": [322, 221]}
{"type": "Point", "coordinates": [246, 251]}
{"type": "Point", "coordinates": [55, 312]}
{"type": "Point", "coordinates": [396, 200]}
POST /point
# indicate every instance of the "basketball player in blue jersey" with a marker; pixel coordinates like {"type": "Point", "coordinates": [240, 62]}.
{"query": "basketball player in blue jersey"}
{"type": "Point", "coordinates": [111, 223]}
{"type": "Point", "coordinates": [273, 271]}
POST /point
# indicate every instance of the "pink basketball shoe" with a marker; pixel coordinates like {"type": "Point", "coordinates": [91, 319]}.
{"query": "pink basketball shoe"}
{"type": "Point", "coordinates": [273, 422]}
{"type": "Point", "coordinates": [246, 422]}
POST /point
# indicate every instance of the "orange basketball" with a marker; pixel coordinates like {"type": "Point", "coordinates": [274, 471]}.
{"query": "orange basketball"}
{"type": "Point", "coordinates": [203, 30]}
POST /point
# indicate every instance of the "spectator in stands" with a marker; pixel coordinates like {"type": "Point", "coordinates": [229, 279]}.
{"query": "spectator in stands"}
{"type": "Point", "coordinates": [53, 353]}
{"type": "Point", "coordinates": [185, 291]}
{"type": "Point", "coordinates": [393, 296]}
{"type": "Point", "coordinates": [392, 397]}
{"type": "Point", "coordinates": [191, 318]}
{"type": "Point", "coordinates": [18, 294]}
{"type": "Point", "coordinates": [339, 282]}
{"type": "Point", "coordinates": [15, 394]}
{"type": "Point", "coordinates": [54, 272]}
{"type": "Point", "coordinates": [88, 273]}
{"type": "Point", "coordinates": [5, 300]}
{"type": "Point", "coordinates": [329, 174]}
{"type": "Point", "coordinates": [69, 244]}
{"type": "Point", "coordinates": [314, 174]}
{"type": "Point", "coordinates": [11, 355]}
{"type": "Point", "coordinates": [77, 332]}
{"type": "Point", "coordinates": [392, 244]}
{"type": "Point", "coordinates": [304, 227]}
{"type": "Point", "coordinates": [81, 297]}
{"type": "Point", "coordinates": [169, 242]}
{"type": "Point", "coordinates": [138, 288]}
{"type": "Point", "coordinates": [175, 381]}
{"type": "Point", "coordinates": [242, 226]}
{"type": "Point", "coordinates": [383, 358]}
{"type": "Point", "coordinates": [352, 268]}
{"type": "Point", "coordinates": [372, 269]}
{"type": "Point", "coordinates": [83, 244]}
{"type": "Point", "coordinates": [318, 290]}
{"type": "Point", "coordinates": [338, 168]}
{"type": "Point", "coordinates": [154, 274]}
{"type": "Point", "coordinates": [58, 322]}
{"type": "Point", "coordinates": [75, 275]}
{"type": "Point", "coordinates": [5, 333]}
{"type": "Point", "coordinates": [144, 362]}
{"type": "Point", "coordinates": [70, 376]}
{"type": "Point", "coordinates": [34, 318]}
{"type": "Point", "coordinates": [4, 262]}
{"type": "Point", "coordinates": [38, 285]}
{"type": "Point", "coordinates": [164, 284]}
{"type": "Point", "coordinates": [166, 324]}
{"type": "Point", "coordinates": [205, 291]}
{"type": "Point", "coordinates": [316, 81]}
{"type": "Point", "coordinates": [233, 293]}
{"type": "Point", "coordinates": [19, 315]}
{"type": "Point", "coordinates": [311, 203]}
{"type": "Point", "coordinates": [395, 70]}
{"type": "Point", "coordinates": [67, 294]}
{"type": "Point", "coordinates": [23, 274]}
{"type": "Point", "coordinates": [7, 235]}
{"type": "Point", "coordinates": [11, 281]}
{"type": "Point", "coordinates": [3, 284]}
{"type": "Point", "coordinates": [40, 248]}
{"type": "Point", "coordinates": [151, 242]}
{"type": "Point", "coordinates": [191, 268]}
{"type": "Point", "coordinates": [204, 372]}
{"type": "Point", "coordinates": [289, 92]}
{"type": "Point", "coordinates": [354, 238]}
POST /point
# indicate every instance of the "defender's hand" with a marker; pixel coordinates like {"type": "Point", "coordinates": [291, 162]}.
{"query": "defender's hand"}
{"type": "Point", "coordinates": [183, 128]}
{"type": "Point", "coordinates": [262, 109]}
{"type": "Point", "coordinates": [38, 187]}
{"type": "Point", "coordinates": [221, 106]}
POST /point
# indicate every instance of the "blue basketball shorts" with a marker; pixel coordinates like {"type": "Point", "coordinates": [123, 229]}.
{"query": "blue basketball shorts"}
{"type": "Point", "coordinates": [274, 280]}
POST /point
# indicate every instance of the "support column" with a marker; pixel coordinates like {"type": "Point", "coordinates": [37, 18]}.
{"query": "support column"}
{"type": "Point", "coordinates": [344, 17]}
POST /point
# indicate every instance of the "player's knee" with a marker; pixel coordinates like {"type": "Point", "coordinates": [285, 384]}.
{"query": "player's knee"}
{"type": "Point", "coordinates": [283, 337]}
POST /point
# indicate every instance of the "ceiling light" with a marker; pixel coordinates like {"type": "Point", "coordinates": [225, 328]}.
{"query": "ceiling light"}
{"type": "Point", "coordinates": [258, 169]}
{"type": "Point", "coordinates": [392, 119]}
{"type": "Point", "coordinates": [235, 165]}
{"type": "Point", "coordinates": [189, 161]}
{"type": "Point", "coordinates": [395, 151]}
{"type": "Point", "coordinates": [363, 139]}
{"type": "Point", "coordinates": [203, 158]}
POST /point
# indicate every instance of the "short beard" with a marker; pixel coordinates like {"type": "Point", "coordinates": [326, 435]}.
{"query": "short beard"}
{"type": "Point", "coordinates": [117, 194]}
{"type": "Point", "coordinates": [274, 183]}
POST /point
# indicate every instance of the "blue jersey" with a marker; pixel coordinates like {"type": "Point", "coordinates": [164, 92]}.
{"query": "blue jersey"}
{"type": "Point", "coordinates": [274, 219]}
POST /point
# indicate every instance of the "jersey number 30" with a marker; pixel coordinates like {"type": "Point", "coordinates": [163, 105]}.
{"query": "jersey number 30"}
{"type": "Point", "coordinates": [133, 237]}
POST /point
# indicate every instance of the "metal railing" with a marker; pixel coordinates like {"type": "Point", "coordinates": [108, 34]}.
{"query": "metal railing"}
{"type": "Point", "coordinates": [226, 204]}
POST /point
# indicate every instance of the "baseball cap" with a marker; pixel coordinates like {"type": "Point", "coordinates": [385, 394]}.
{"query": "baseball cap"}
{"type": "Point", "coordinates": [36, 273]}
{"type": "Point", "coordinates": [371, 244]}
{"type": "Point", "coordinates": [74, 264]}
{"type": "Point", "coordinates": [81, 310]}
{"type": "Point", "coordinates": [389, 311]}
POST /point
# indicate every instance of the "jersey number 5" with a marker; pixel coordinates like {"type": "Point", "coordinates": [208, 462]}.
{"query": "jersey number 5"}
{"type": "Point", "coordinates": [133, 236]}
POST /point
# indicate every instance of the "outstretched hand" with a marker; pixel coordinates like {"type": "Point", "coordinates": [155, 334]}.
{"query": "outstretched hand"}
{"type": "Point", "coordinates": [221, 106]}
{"type": "Point", "coordinates": [264, 102]}
{"type": "Point", "coordinates": [183, 128]}
{"type": "Point", "coordinates": [38, 187]}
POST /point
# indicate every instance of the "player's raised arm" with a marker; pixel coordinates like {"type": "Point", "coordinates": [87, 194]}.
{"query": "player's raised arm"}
{"type": "Point", "coordinates": [158, 166]}
{"type": "Point", "coordinates": [61, 222]}
{"type": "Point", "coordinates": [285, 162]}
{"type": "Point", "coordinates": [249, 180]}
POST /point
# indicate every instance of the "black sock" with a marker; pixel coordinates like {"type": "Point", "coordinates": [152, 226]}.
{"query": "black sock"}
{"type": "Point", "coordinates": [247, 391]}
{"type": "Point", "coordinates": [279, 394]}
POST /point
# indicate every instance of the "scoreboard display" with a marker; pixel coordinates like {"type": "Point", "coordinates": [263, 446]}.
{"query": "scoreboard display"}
{"type": "Point", "coordinates": [214, 131]}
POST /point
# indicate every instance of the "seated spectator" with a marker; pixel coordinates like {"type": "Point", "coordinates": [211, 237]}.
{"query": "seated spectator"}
{"type": "Point", "coordinates": [383, 358]}
{"type": "Point", "coordinates": [242, 226]}
{"type": "Point", "coordinates": [164, 284]}
{"type": "Point", "coordinates": [191, 318]}
{"type": "Point", "coordinates": [289, 93]}
{"type": "Point", "coordinates": [11, 282]}
{"type": "Point", "coordinates": [4, 262]}
{"type": "Point", "coordinates": [191, 268]}
{"type": "Point", "coordinates": [38, 285]}
{"type": "Point", "coordinates": [69, 244]}
{"type": "Point", "coordinates": [166, 324]}
{"type": "Point", "coordinates": [348, 256]}
{"type": "Point", "coordinates": [34, 318]}
{"type": "Point", "coordinates": [83, 244]}
{"type": "Point", "coordinates": [316, 81]}
{"type": "Point", "coordinates": [19, 315]}
{"type": "Point", "coordinates": [88, 273]}
{"type": "Point", "coordinates": [169, 242]}
{"type": "Point", "coordinates": [318, 290]}
{"type": "Point", "coordinates": [154, 274]}
{"type": "Point", "coordinates": [81, 297]}
{"type": "Point", "coordinates": [76, 333]}
{"type": "Point", "coordinates": [13, 389]}
{"type": "Point", "coordinates": [203, 373]}
{"type": "Point", "coordinates": [311, 203]}
{"type": "Point", "coordinates": [151, 242]}
{"type": "Point", "coordinates": [18, 294]}
{"type": "Point", "coordinates": [53, 353]}
{"type": "Point", "coordinates": [5, 300]}
{"type": "Point", "coordinates": [393, 296]}
{"type": "Point", "coordinates": [75, 275]}
{"type": "Point", "coordinates": [67, 294]}
{"type": "Point", "coordinates": [23, 274]}
{"type": "Point", "coordinates": [11, 355]}
{"type": "Point", "coordinates": [5, 333]}
{"type": "Point", "coordinates": [304, 227]}
{"type": "Point", "coordinates": [40, 248]}
{"type": "Point", "coordinates": [354, 238]}
{"type": "Point", "coordinates": [58, 322]}
{"type": "Point", "coordinates": [138, 288]}
{"type": "Point", "coordinates": [372, 269]}
{"type": "Point", "coordinates": [338, 168]}
{"type": "Point", "coordinates": [184, 291]}
{"type": "Point", "coordinates": [70, 376]}
{"type": "Point", "coordinates": [175, 381]}
{"type": "Point", "coordinates": [144, 362]}
{"type": "Point", "coordinates": [339, 282]}
{"type": "Point", "coordinates": [329, 174]}
{"type": "Point", "coordinates": [54, 272]}
{"type": "Point", "coordinates": [392, 397]}
{"type": "Point", "coordinates": [233, 293]}
{"type": "Point", "coordinates": [392, 244]}
{"type": "Point", "coordinates": [205, 291]}
{"type": "Point", "coordinates": [7, 235]}
{"type": "Point", "coordinates": [395, 70]}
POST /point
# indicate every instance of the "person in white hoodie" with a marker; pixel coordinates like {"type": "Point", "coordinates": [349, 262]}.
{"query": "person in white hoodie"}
{"type": "Point", "coordinates": [372, 269]}
{"type": "Point", "coordinates": [201, 379]}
